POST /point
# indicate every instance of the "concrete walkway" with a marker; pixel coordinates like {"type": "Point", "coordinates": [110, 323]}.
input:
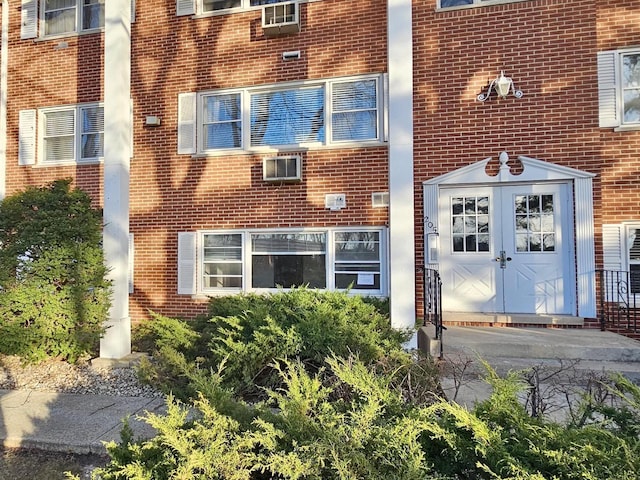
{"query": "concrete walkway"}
{"type": "Point", "coordinates": [70, 422]}
{"type": "Point", "coordinates": [569, 357]}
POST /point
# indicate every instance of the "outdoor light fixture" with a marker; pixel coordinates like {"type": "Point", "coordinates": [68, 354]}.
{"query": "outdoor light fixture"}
{"type": "Point", "coordinates": [502, 85]}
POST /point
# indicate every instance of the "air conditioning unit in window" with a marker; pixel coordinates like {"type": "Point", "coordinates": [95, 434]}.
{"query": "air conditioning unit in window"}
{"type": "Point", "coordinates": [282, 169]}
{"type": "Point", "coordinates": [280, 18]}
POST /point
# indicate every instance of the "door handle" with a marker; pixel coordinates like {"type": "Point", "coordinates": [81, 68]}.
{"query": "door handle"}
{"type": "Point", "coordinates": [503, 259]}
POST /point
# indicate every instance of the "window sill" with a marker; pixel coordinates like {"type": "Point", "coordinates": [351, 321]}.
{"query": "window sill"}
{"type": "Point", "coordinates": [627, 128]}
{"type": "Point", "coordinates": [60, 36]}
{"type": "Point", "coordinates": [65, 164]}
{"type": "Point", "coordinates": [477, 5]}
{"type": "Point", "coordinates": [292, 149]}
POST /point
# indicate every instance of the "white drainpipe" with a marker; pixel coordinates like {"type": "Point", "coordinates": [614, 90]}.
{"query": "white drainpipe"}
{"type": "Point", "coordinates": [4, 62]}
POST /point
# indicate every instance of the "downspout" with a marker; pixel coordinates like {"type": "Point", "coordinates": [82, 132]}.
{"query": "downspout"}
{"type": "Point", "coordinates": [4, 69]}
{"type": "Point", "coordinates": [116, 342]}
{"type": "Point", "coordinates": [402, 266]}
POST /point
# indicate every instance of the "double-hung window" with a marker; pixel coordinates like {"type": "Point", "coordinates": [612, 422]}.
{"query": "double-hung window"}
{"type": "Point", "coordinates": [621, 260]}
{"type": "Point", "coordinates": [465, 3]}
{"type": "Point", "coordinates": [633, 257]}
{"type": "Point", "coordinates": [310, 114]}
{"type": "Point", "coordinates": [619, 88]}
{"type": "Point", "coordinates": [245, 260]}
{"type": "Point", "coordinates": [191, 7]}
{"type": "Point", "coordinates": [66, 16]}
{"type": "Point", "coordinates": [72, 134]}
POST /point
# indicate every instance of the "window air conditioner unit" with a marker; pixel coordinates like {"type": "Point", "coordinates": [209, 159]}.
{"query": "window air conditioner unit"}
{"type": "Point", "coordinates": [282, 169]}
{"type": "Point", "coordinates": [280, 18]}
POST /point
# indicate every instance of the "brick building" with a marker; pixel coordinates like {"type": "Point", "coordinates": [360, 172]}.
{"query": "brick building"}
{"type": "Point", "coordinates": [239, 145]}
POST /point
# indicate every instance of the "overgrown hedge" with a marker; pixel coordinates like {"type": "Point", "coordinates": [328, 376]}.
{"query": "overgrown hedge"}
{"type": "Point", "coordinates": [246, 333]}
{"type": "Point", "coordinates": [54, 296]}
{"type": "Point", "coordinates": [366, 411]}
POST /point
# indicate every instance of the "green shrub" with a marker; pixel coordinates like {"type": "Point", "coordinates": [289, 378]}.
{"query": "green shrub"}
{"type": "Point", "coordinates": [54, 296]}
{"type": "Point", "coordinates": [249, 332]}
{"type": "Point", "coordinates": [304, 431]}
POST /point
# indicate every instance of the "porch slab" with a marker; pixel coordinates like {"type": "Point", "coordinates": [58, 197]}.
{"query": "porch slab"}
{"type": "Point", "coordinates": [510, 319]}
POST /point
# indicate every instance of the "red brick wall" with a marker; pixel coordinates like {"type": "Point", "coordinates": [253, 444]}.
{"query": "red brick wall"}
{"type": "Point", "coordinates": [172, 193]}
{"type": "Point", "coordinates": [549, 49]}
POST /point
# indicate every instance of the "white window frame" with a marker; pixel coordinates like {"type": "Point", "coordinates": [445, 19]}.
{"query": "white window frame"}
{"type": "Point", "coordinates": [197, 7]}
{"type": "Point", "coordinates": [78, 133]}
{"type": "Point", "coordinates": [628, 242]}
{"type": "Point", "coordinates": [330, 259]}
{"type": "Point", "coordinates": [476, 3]}
{"type": "Point", "coordinates": [79, 16]}
{"type": "Point", "coordinates": [611, 89]}
{"type": "Point", "coordinates": [328, 115]}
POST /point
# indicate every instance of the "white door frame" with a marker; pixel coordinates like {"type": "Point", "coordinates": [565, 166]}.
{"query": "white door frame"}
{"type": "Point", "coordinates": [533, 171]}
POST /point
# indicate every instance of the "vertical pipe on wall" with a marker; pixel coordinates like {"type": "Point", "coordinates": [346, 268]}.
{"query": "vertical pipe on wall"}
{"type": "Point", "coordinates": [402, 271]}
{"type": "Point", "coordinates": [4, 62]}
{"type": "Point", "coordinates": [116, 343]}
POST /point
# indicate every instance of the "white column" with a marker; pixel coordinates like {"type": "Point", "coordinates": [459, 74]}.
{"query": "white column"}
{"type": "Point", "coordinates": [402, 266]}
{"type": "Point", "coordinates": [116, 342]}
{"type": "Point", "coordinates": [4, 62]}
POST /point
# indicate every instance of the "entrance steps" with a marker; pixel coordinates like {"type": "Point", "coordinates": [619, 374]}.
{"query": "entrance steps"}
{"type": "Point", "coordinates": [466, 319]}
{"type": "Point", "coordinates": [586, 345]}
{"type": "Point", "coordinates": [567, 360]}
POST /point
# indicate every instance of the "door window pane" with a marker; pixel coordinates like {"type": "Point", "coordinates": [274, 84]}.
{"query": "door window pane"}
{"type": "Point", "coordinates": [470, 224]}
{"type": "Point", "coordinates": [534, 223]}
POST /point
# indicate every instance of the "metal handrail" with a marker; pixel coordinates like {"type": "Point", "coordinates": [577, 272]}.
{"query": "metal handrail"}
{"type": "Point", "coordinates": [619, 307]}
{"type": "Point", "coordinates": [433, 303]}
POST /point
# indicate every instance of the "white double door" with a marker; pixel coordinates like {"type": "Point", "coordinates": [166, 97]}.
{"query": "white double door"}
{"type": "Point", "coordinates": [507, 249]}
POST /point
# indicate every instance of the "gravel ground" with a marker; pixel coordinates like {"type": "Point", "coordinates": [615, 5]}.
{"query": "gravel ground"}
{"type": "Point", "coordinates": [56, 376]}
{"type": "Point", "coordinates": [83, 378]}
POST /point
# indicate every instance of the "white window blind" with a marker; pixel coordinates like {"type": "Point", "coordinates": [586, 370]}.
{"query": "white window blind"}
{"type": "Point", "coordinates": [354, 110]}
{"type": "Point", "coordinates": [287, 117]}
{"type": "Point", "coordinates": [222, 121]}
{"type": "Point", "coordinates": [59, 136]}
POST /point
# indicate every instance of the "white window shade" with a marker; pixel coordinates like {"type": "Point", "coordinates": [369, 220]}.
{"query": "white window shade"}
{"type": "Point", "coordinates": [287, 117]}
{"type": "Point", "coordinates": [59, 136]}
{"type": "Point", "coordinates": [355, 110]}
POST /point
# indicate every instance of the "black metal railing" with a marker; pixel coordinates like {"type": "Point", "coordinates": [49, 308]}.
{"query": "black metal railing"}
{"type": "Point", "coordinates": [619, 300]}
{"type": "Point", "coordinates": [433, 303]}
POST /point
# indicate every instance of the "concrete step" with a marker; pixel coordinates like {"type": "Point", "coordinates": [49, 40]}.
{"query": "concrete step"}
{"type": "Point", "coordinates": [541, 343]}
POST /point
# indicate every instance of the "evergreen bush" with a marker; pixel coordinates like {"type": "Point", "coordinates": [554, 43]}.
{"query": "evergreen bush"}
{"type": "Point", "coordinates": [54, 296]}
{"type": "Point", "coordinates": [248, 332]}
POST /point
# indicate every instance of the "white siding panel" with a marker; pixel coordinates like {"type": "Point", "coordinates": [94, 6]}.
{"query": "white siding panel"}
{"type": "Point", "coordinates": [609, 113]}
{"type": "Point", "coordinates": [187, 245]}
{"type": "Point", "coordinates": [27, 137]}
